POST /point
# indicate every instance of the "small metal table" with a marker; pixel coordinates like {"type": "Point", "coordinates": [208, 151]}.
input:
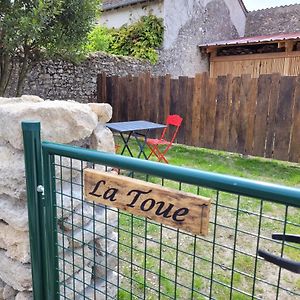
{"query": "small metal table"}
{"type": "Point", "coordinates": [134, 129]}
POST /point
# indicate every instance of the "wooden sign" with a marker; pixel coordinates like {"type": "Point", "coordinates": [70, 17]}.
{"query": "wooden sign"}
{"type": "Point", "coordinates": [164, 205]}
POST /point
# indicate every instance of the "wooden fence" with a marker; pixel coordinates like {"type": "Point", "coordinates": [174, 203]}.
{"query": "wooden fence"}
{"type": "Point", "coordinates": [253, 116]}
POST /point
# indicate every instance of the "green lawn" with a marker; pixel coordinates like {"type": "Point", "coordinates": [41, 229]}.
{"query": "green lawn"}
{"type": "Point", "coordinates": [234, 250]}
{"type": "Point", "coordinates": [250, 167]}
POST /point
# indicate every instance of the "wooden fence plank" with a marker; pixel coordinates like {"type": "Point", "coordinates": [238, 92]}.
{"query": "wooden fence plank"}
{"type": "Point", "coordinates": [174, 105]}
{"type": "Point", "coordinates": [273, 102]}
{"type": "Point", "coordinates": [124, 99]}
{"type": "Point", "coordinates": [195, 116]}
{"type": "Point", "coordinates": [154, 99]}
{"type": "Point", "coordinates": [161, 99]}
{"type": "Point", "coordinates": [222, 113]}
{"type": "Point", "coordinates": [294, 154]}
{"type": "Point", "coordinates": [135, 115]}
{"type": "Point", "coordinates": [167, 95]}
{"type": "Point", "coordinates": [283, 119]}
{"type": "Point", "coordinates": [189, 112]}
{"type": "Point", "coordinates": [182, 103]}
{"type": "Point", "coordinates": [109, 89]}
{"type": "Point", "coordinates": [243, 114]}
{"type": "Point", "coordinates": [130, 99]}
{"type": "Point", "coordinates": [261, 114]}
{"type": "Point", "coordinates": [146, 97]}
{"type": "Point", "coordinates": [209, 107]}
{"type": "Point", "coordinates": [234, 115]}
{"type": "Point", "coordinates": [139, 98]}
{"type": "Point", "coordinates": [251, 85]}
{"type": "Point", "coordinates": [115, 97]}
{"type": "Point", "coordinates": [101, 88]}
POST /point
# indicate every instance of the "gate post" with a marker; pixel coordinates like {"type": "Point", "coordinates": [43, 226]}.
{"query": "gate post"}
{"type": "Point", "coordinates": [35, 199]}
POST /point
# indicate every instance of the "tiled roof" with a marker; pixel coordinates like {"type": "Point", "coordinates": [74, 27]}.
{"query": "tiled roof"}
{"type": "Point", "coordinates": [113, 4]}
{"type": "Point", "coordinates": [256, 39]}
{"type": "Point", "coordinates": [274, 7]}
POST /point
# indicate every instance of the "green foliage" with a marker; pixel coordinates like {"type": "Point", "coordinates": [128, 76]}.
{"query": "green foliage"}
{"type": "Point", "coordinates": [138, 40]}
{"type": "Point", "coordinates": [99, 39]}
{"type": "Point", "coordinates": [32, 28]}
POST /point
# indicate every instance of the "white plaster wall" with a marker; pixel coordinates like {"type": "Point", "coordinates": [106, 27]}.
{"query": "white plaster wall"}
{"type": "Point", "coordinates": [238, 16]}
{"type": "Point", "coordinates": [178, 12]}
{"type": "Point", "coordinates": [127, 15]}
{"type": "Point", "coordinates": [189, 23]}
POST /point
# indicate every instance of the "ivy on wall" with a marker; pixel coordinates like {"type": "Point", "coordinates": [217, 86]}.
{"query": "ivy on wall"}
{"type": "Point", "coordinates": [139, 40]}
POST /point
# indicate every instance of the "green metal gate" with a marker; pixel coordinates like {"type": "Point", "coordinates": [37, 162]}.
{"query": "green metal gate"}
{"type": "Point", "coordinates": [89, 251]}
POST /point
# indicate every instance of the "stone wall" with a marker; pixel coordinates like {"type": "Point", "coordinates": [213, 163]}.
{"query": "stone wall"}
{"type": "Point", "coordinates": [283, 19]}
{"type": "Point", "coordinates": [64, 80]}
{"type": "Point", "coordinates": [188, 23]}
{"type": "Point", "coordinates": [64, 122]}
{"type": "Point", "coordinates": [193, 22]}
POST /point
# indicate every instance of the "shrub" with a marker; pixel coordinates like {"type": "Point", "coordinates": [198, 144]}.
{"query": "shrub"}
{"type": "Point", "coordinates": [139, 40]}
{"type": "Point", "coordinates": [99, 39]}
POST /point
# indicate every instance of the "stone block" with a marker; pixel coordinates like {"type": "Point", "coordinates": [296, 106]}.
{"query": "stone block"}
{"type": "Point", "coordinates": [104, 224]}
{"type": "Point", "coordinates": [24, 296]}
{"type": "Point", "coordinates": [14, 212]}
{"type": "Point", "coordinates": [75, 285]}
{"type": "Point", "coordinates": [62, 241]}
{"type": "Point", "coordinates": [81, 216]}
{"type": "Point", "coordinates": [15, 242]}
{"type": "Point", "coordinates": [102, 286]}
{"type": "Point", "coordinates": [14, 273]}
{"type": "Point", "coordinates": [102, 139]}
{"type": "Point", "coordinates": [105, 264]}
{"type": "Point", "coordinates": [12, 169]}
{"type": "Point", "coordinates": [107, 245]}
{"type": "Point", "coordinates": [22, 99]}
{"type": "Point", "coordinates": [69, 169]}
{"type": "Point", "coordinates": [9, 293]}
{"type": "Point", "coordinates": [102, 110]}
{"type": "Point", "coordinates": [68, 198]}
{"type": "Point", "coordinates": [2, 285]}
{"type": "Point", "coordinates": [82, 258]}
{"type": "Point", "coordinates": [76, 121]}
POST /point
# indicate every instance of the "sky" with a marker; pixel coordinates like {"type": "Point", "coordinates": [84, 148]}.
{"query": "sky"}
{"type": "Point", "coordinates": [260, 4]}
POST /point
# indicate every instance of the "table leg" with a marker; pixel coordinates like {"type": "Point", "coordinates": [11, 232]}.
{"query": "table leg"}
{"type": "Point", "coordinates": [141, 145]}
{"type": "Point", "coordinates": [126, 141]}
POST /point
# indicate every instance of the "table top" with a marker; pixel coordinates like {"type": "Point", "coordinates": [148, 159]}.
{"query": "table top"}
{"type": "Point", "coordinates": [134, 126]}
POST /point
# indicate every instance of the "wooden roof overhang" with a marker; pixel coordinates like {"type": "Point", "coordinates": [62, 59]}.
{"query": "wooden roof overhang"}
{"type": "Point", "coordinates": [285, 40]}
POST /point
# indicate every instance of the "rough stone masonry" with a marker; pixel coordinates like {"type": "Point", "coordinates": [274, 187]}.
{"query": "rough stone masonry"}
{"type": "Point", "coordinates": [66, 122]}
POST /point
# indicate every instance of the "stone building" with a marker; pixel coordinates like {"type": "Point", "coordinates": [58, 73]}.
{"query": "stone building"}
{"type": "Point", "coordinates": [187, 23]}
{"type": "Point", "coordinates": [117, 13]}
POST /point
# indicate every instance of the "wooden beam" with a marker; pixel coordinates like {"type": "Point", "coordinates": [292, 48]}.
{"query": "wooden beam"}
{"type": "Point", "coordinates": [289, 45]}
{"type": "Point", "coordinates": [211, 49]}
{"type": "Point", "coordinates": [255, 56]}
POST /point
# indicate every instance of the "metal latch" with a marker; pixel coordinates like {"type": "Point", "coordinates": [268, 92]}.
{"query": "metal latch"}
{"type": "Point", "coordinates": [285, 263]}
{"type": "Point", "coordinates": [40, 189]}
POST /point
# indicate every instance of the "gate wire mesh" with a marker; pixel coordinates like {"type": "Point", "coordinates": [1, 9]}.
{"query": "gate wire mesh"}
{"type": "Point", "coordinates": [105, 253]}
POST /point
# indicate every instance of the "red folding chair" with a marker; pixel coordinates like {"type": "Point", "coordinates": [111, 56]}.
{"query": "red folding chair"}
{"type": "Point", "coordinates": [173, 123]}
